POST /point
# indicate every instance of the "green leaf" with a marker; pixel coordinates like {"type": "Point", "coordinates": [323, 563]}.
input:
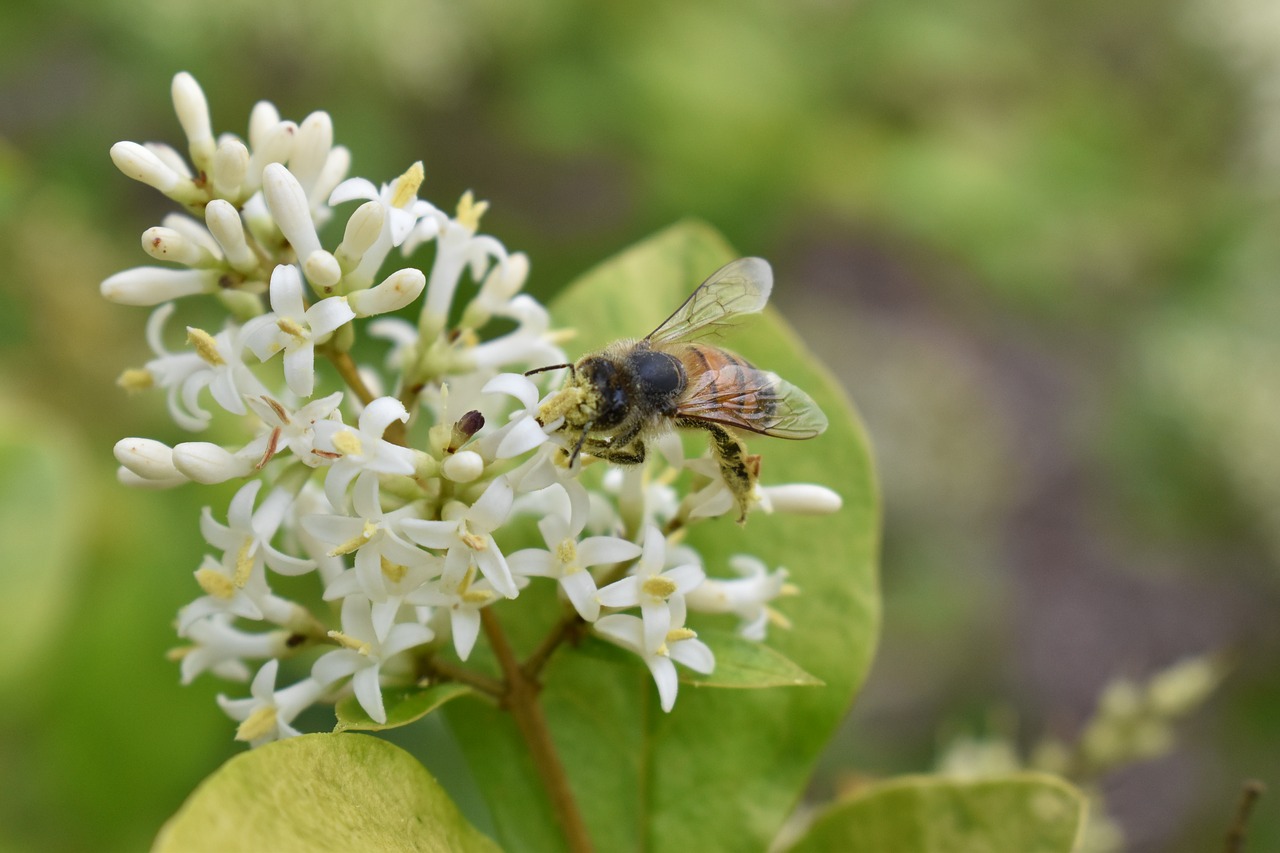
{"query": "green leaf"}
{"type": "Point", "coordinates": [744, 663]}
{"type": "Point", "coordinates": [721, 758]}
{"type": "Point", "coordinates": [1029, 812]}
{"type": "Point", "coordinates": [320, 792]}
{"type": "Point", "coordinates": [404, 705]}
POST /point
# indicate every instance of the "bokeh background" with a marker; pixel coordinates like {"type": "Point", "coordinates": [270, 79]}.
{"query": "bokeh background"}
{"type": "Point", "coordinates": [1038, 242]}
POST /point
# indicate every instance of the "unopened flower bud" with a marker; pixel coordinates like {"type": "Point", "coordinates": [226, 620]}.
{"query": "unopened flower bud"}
{"type": "Point", "coordinates": [311, 148]}
{"type": "Point", "coordinates": [154, 285]}
{"type": "Point", "coordinates": [463, 466]}
{"type": "Point", "coordinates": [1183, 686]}
{"type": "Point", "coordinates": [323, 271]}
{"type": "Point", "coordinates": [288, 205]}
{"type": "Point", "coordinates": [468, 425]}
{"type": "Point", "coordinates": [133, 481]}
{"type": "Point", "coordinates": [398, 290]}
{"type": "Point", "coordinates": [230, 167]}
{"type": "Point", "coordinates": [208, 463]}
{"type": "Point", "coordinates": [363, 229]}
{"type": "Point", "coordinates": [333, 173]}
{"type": "Point", "coordinates": [167, 244]}
{"type": "Point", "coordinates": [224, 224]}
{"type": "Point", "coordinates": [149, 459]}
{"type": "Point", "coordinates": [276, 147]}
{"type": "Point", "coordinates": [193, 114]}
{"type": "Point", "coordinates": [800, 499]}
{"type": "Point", "coordinates": [170, 157]}
{"type": "Point", "coordinates": [142, 165]}
{"type": "Point", "coordinates": [263, 119]}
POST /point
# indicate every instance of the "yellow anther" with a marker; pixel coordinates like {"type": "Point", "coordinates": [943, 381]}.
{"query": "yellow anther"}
{"type": "Point", "coordinates": [292, 329]}
{"type": "Point", "coordinates": [478, 596]}
{"type": "Point", "coordinates": [206, 346]}
{"type": "Point", "coordinates": [244, 563]}
{"type": "Point", "coordinates": [136, 379]}
{"type": "Point", "coordinates": [215, 583]}
{"type": "Point", "coordinates": [349, 642]}
{"type": "Point", "coordinates": [405, 189]}
{"type": "Point", "coordinates": [281, 412]}
{"type": "Point", "coordinates": [393, 572]}
{"type": "Point", "coordinates": [258, 724]}
{"type": "Point", "coordinates": [675, 635]}
{"type": "Point", "coordinates": [470, 211]}
{"type": "Point", "coordinates": [658, 586]}
{"type": "Point", "coordinates": [468, 338]}
{"type": "Point", "coordinates": [776, 618]}
{"type": "Point", "coordinates": [355, 544]}
{"type": "Point", "coordinates": [474, 542]}
{"type": "Point", "coordinates": [178, 653]}
{"type": "Point", "coordinates": [567, 553]}
{"type": "Point", "coordinates": [347, 443]}
{"type": "Point", "coordinates": [561, 336]}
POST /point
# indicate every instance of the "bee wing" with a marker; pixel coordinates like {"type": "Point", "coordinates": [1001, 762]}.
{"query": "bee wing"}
{"type": "Point", "coordinates": [760, 401]}
{"type": "Point", "coordinates": [739, 287]}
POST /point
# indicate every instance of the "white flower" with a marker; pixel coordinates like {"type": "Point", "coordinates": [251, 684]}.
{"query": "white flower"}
{"type": "Point", "coordinates": [678, 644]}
{"type": "Point", "coordinates": [246, 538]}
{"type": "Point", "coordinates": [232, 591]}
{"type": "Point", "coordinates": [386, 566]}
{"type": "Point", "coordinates": [532, 343]}
{"type": "Point", "coordinates": [293, 329]}
{"type": "Point", "coordinates": [658, 594]}
{"type": "Point", "coordinates": [268, 713]}
{"type": "Point", "coordinates": [457, 248]}
{"type": "Point", "coordinates": [220, 647]}
{"type": "Point", "coordinates": [467, 534]}
{"type": "Point", "coordinates": [402, 210]}
{"type": "Point", "coordinates": [294, 430]}
{"type": "Point", "coordinates": [362, 448]}
{"type": "Point", "coordinates": [463, 599]}
{"type": "Point", "coordinates": [363, 655]}
{"type": "Point", "coordinates": [747, 597]}
{"type": "Point", "coordinates": [567, 560]}
{"type": "Point", "coordinates": [522, 432]}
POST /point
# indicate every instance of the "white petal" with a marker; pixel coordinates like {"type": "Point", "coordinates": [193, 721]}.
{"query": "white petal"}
{"type": "Point", "coordinates": [494, 567]}
{"type": "Point", "coordinates": [264, 683]}
{"type": "Point", "coordinates": [657, 621]}
{"type": "Point", "coordinates": [694, 654]}
{"type": "Point", "coordinates": [406, 635]}
{"type": "Point", "coordinates": [329, 314]}
{"type": "Point", "coordinates": [369, 693]}
{"type": "Point", "coordinates": [300, 370]}
{"type": "Point", "coordinates": [337, 664]}
{"type": "Point", "coordinates": [514, 385]}
{"type": "Point", "coordinates": [622, 629]}
{"type": "Point", "coordinates": [466, 627]}
{"type": "Point", "coordinates": [664, 675]}
{"type": "Point", "coordinates": [599, 550]}
{"type": "Point", "coordinates": [580, 587]}
{"type": "Point", "coordinates": [286, 291]}
{"type": "Point", "coordinates": [432, 534]}
{"type": "Point", "coordinates": [491, 510]}
{"type": "Point", "coordinates": [352, 189]}
{"type": "Point", "coordinates": [379, 414]}
{"type": "Point", "coordinates": [522, 436]}
{"type": "Point", "coordinates": [686, 578]}
{"type": "Point", "coordinates": [623, 593]}
{"type": "Point", "coordinates": [532, 561]}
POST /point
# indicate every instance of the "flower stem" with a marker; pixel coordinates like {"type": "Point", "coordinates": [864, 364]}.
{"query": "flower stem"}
{"type": "Point", "coordinates": [521, 699]}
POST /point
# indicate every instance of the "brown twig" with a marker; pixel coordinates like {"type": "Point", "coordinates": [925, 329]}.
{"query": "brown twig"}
{"type": "Point", "coordinates": [1249, 794]}
{"type": "Point", "coordinates": [521, 699]}
{"type": "Point", "coordinates": [436, 668]}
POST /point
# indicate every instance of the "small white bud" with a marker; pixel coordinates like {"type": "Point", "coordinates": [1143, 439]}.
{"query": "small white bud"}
{"type": "Point", "coordinates": [800, 499]}
{"type": "Point", "coordinates": [133, 481]}
{"type": "Point", "coordinates": [166, 244]}
{"type": "Point", "coordinates": [311, 148]}
{"type": "Point", "coordinates": [194, 230]}
{"type": "Point", "coordinates": [263, 118]}
{"type": "Point", "coordinates": [147, 458]}
{"type": "Point", "coordinates": [193, 114]}
{"type": "Point", "coordinates": [463, 466]}
{"type": "Point", "coordinates": [277, 146]}
{"type": "Point", "coordinates": [288, 205]}
{"type": "Point", "coordinates": [153, 285]}
{"type": "Point", "coordinates": [224, 224]}
{"type": "Point", "coordinates": [333, 173]}
{"type": "Point", "coordinates": [322, 270]}
{"type": "Point", "coordinates": [170, 157]}
{"type": "Point", "coordinates": [230, 167]}
{"type": "Point", "coordinates": [143, 165]}
{"type": "Point", "coordinates": [398, 290]}
{"type": "Point", "coordinates": [1183, 686]}
{"type": "Point", "coordinates": [208, 463]}
{"type": "Point", "coordinates": [363, 229]}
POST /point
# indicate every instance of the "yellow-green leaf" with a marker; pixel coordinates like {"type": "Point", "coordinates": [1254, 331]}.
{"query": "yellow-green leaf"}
{"type": "Point", "coordinates": [320, 792]}
{"type": "Point", "coordinates": [1028, 813]}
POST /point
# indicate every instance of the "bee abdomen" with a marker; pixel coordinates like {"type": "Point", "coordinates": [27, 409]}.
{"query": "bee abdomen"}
{"type": "Point", "coordinates": [717, 376]}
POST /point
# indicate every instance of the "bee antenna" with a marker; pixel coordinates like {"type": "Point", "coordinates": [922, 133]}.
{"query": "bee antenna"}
{"type": "Point", "coordinates": [572, 372]}
{"type": "Point", "coordinates": [577, 448]}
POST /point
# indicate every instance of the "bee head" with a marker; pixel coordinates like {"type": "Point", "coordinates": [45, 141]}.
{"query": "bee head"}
{"type": "Point", "coordinates": [608, 385]}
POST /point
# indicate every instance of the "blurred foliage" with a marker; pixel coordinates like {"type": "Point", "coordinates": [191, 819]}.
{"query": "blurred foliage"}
{"type": "Point", "coordinates": [1036, 241]}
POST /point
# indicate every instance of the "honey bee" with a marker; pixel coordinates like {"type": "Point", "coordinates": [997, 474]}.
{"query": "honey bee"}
{"type": "Point", "coordinates": [632, 390]}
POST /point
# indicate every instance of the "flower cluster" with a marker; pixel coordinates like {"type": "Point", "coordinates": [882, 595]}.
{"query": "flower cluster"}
{"type": "Point", "coordinates": [394, 484]}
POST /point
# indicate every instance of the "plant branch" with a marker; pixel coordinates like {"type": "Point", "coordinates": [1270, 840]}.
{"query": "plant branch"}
{"type": "Point", "coordinates": [569, 625]}
{"type": "Point", "coordinates": [521, 699]}
{"type": "Point", "coordinates": [1249, 794]}
{"type": "Point", "coordinates": [435, 668]}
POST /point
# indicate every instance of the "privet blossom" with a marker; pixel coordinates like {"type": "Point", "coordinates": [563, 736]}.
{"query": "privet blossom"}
{"type": "Point", "coordinates": [393, 483]}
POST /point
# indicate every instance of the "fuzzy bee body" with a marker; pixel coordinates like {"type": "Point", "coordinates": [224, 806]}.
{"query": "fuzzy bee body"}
{"type": "Point", "coordinates": [617, 398]}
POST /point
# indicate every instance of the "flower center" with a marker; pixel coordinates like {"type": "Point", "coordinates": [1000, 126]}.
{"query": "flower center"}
{"type": "Point", "coordinates": [406, 186]}
{"type": "Point", "coordinates": [215, 583]}
{"type": "Point", "coordinates": [658, 587]}
{"type": "Point", "coordinates": [293, 329]}
{"type": "Point", "coordinates": [347, 443]}
{"type": "Point", "coordinates": [567, 556]}
{"type": "Point", "coordinates": [393, 572]}
{"type": "Point", "coordinates": [244, 562]}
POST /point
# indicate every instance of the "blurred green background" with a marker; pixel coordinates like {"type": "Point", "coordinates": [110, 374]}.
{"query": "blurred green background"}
{"type": "Point", "coordinates": [1037, 241]}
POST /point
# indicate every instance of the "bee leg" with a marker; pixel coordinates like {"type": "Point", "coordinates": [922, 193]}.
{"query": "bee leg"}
{"type": "Point", "coordinates": [631, 454]}
{"type": "Point", "coordinates": [735, 466]}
